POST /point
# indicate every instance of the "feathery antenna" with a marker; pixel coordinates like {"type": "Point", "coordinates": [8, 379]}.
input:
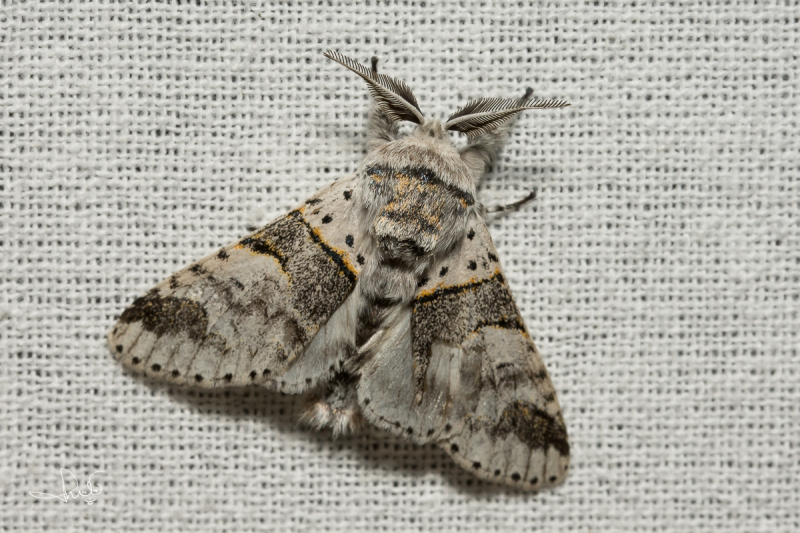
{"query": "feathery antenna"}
{"type": "Point", "coordinates": [485, 114]}
{"type": "Point", "coordinates": [391, 95]}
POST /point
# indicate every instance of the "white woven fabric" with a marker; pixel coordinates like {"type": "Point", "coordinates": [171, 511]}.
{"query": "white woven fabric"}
{"type": "Point", "coordinates": [658, 270]}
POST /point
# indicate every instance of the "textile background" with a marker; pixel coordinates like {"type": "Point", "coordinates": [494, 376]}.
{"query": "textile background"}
{"type": "Point", "coordinates": [657, 270]}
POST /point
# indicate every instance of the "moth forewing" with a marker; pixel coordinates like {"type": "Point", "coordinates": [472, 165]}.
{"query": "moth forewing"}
{"type": "Point", "coordinates": [381, 296]}
{"type": "Point", "coordinates": [246, 313]}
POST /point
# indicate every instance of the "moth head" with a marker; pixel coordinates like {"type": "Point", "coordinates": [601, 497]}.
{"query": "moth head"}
{"type": "Point", "coordinates": [476, 118]}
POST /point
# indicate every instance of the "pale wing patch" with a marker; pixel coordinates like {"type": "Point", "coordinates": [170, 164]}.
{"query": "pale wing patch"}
{"type": "Point", "coordinates": [246, 313]}
{"type": "Point", "coordinates": [461, 369]}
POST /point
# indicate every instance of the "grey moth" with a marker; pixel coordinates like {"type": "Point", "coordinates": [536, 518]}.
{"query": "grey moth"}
{"type": "Point", "coordinates": [381, 298]}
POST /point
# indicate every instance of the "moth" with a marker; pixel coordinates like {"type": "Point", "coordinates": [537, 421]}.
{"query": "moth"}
{"type": "Point", "coordinates": [381, 297]}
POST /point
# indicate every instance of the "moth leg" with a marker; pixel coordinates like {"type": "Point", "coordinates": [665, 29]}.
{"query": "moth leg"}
{"type": "Point", "coordinates": [335, 405]}
{"type": "Point", "coordinates": [484, 149]}
{"type": "Point", "coordinates": [380, 129]}
{"type": "Point", "coordinates": [512, 206]}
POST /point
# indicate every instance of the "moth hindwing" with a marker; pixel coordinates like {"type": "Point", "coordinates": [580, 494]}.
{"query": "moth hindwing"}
{"type": "Point", "coordinates": [381, 298]}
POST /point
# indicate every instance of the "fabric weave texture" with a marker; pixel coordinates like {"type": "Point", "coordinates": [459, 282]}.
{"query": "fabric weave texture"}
{"type": "Point", "coordinates": [658, 270]}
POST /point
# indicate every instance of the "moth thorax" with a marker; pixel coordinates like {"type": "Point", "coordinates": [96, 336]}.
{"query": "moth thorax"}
{"type": "Point", "coordinates": [417, 211]}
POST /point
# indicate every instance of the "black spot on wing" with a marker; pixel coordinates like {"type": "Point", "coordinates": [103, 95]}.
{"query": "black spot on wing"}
{"type": "Point", "coordinates": [348, 194]}
{"type": "Point", "coordinates": [472, 265]}
{"type": "Point", "coordinates": [197, 269]}
{"type": "Point", "coordinates": [471, 234]}
{"type": "Point", "coordinates": [223, 255]}
{"type": "Point", "coordinates": [349, 240]}
{"type": "Point", "coordinates": [443, 272]}
{"type": "Point", "coordinates": [492, 257]}
{"type": "Point", "coordinates": [327, 219]}
{"type": "Point", "coordinates": [314, 201]}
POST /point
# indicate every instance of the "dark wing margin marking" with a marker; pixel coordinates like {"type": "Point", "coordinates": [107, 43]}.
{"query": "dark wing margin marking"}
{"type": "Point", "coordinates": [340, 258]}
{"type": "Point", "coordinates": [450, 314]}
{"type": "Point", "coordinates": [264, 243]}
